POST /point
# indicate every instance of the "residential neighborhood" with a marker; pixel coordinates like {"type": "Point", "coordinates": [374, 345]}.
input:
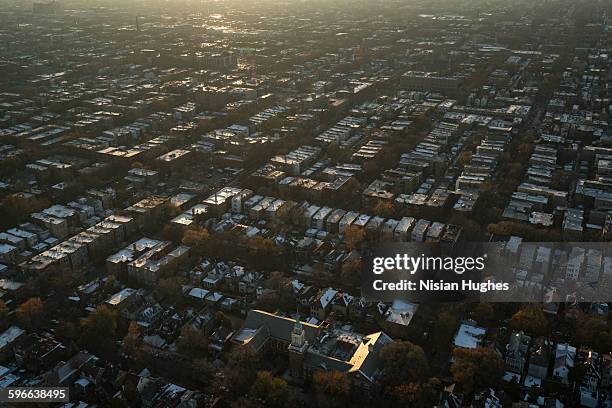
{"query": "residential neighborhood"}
{"type": "Point", "coordinates": [189, 191]}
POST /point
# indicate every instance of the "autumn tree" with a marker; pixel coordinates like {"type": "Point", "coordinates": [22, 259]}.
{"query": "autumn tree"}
{"type": "Point", "coordinates": [199, 240]}
{"type": "Point", "coordinates": [415, 394]}
{"type": "Point", "coordinates": [193, 343]}
{"type": "Point", "coordinates": [281, 295]}
{"type": "Point", "coordinates": [170, 289]}
{"type": "Point", "coordinates": [351, 272]}
{"type": "Point", "coordinates": [18, 207]}
{"type": "Point", "coordinates": [476, 368]}
{"type": "Point", "coordinates": [530, 319]}
{"type": "Point", "coordinates": [430, 392]}
{"type": "Point", "coordinates": [484, 313]}
{"type": "Point", "coordinates": [264, 254]}
{"type": "Point", "coordinates": [276, 280]}
{"type": "Point", "coordinates": [470, 229]}
{"type": "Point", "coordinates": [353, 236]}
{"type": "Point", "coordinates": [371, 169]}
{"type": "Point", "coordinates": [131, 341]}
{"type": "Point", "coordinates": [406, 395]}
{"type": "Point", "coordinates": [464, 158]}
{"type": "Point", "coordinates": [172, 233]}
{"type": "Point", "coordinates": [223, 320]}
{"type": "Point", "coordinates": [99, 329]}
{"type": "Point", "coordinates": [4, 312]}
{"type": "Point", "coordinates": [111, 285]}
{"type": "Point", "coordinates": [273, 391]}
{"type": "Point", "coordinates": [383, 209]}
{"type": "Point", "coordinates": [443, 330]}
{"type": "Point", "coordinates": [331, 388]}
{"type": "Point", "coordinates": [240, 370]}
{"type": "Point", "coordinates": [30, 313]}
{"type": "Point", "coordinates": [588, 328]}
{"type": "Point", "coordinates": [404, 362]}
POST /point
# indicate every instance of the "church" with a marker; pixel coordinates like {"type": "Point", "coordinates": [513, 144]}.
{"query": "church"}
{"type": "Point", "coordinates": [315, 347]}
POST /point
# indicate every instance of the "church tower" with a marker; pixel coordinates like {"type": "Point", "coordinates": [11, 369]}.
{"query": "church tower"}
{"type": "Point", "coordinates": [297, 350]}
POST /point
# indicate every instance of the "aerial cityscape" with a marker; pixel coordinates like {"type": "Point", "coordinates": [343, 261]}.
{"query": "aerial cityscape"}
{"type": "Point", "coordinates": [191, 192]}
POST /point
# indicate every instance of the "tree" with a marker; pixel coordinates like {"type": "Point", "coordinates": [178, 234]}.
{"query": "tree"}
{"type": "Point", "coordinates": [193, 342]}
{"type": "Point", "coordinates": [588, 328]}
{"type": "Point", "coordinates": [202, 370]}
{"type": "Point", "coordinates": [199, 240]}
{"type": "Point", "coordinates": [484, 313]}
{"type": "Point", "coordinates": [464, 158]}
{"type": "Point", "coordinates": [470, 229]}
{"type": "Point", "coordinates": [170, 289]}
{"type": "Point", "coordinates": [603, 341]}
{"type": "Point", "coordinates": [430, 392]}
{"type": "Point", "coordinates": [4, 311]}
{"type": "Point", "coordinates": [30, 313]}
{"type": "Point", "coordinates": [111, 285]}
{"type": "Point", "coordinates": [270, 389]}
{"type": "Point", "coordinates": [353, 236]}
{"type": "Point", "coordinates": [331, 388]}
{"type": "Point", "coordinates": [223, 320]}
{"type": "Point", "coordinates": [264, 254]}
{"type": "Point", "coordinates": [525, 150]}
{"type": "Point", "coordinates": [407, 395]}
{"type": "Point", "coordinates": [371, 170]}
{"type": "Point", "coordinates": [351, 272]}
{"type": "Point", "coordinates": [131, 341]}
{"type": "Point", "coordinates": [383, 209]}
{"type": "Point", "coordinates": [18, 207]}
{"type": "Point", "coordinates": [404, 362]}
{"type": "Point", "coordinates": [476, 368]}
{"type": "Point", "coordinates": [276, 281]}
{"type": "Point", "coordinates": [99, 329]}
{"type": "Point", "coordinates": [241, 370]}
{"type": "Point", "coordinates": [172, 233]}
{"type": "Point", "coordinates": [444, 329]}
{"type": "Point", "coordinates": [530, 319]}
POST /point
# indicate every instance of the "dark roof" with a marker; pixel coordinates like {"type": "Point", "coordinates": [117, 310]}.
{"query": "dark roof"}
{"type": "Point", "coordinates": [277, 327]}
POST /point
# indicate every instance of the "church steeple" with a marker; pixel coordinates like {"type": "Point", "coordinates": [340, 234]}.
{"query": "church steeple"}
{"type": "Point", "coordinates": [298, 338]}
{"type": "Point", "coordinates": [297, 349]}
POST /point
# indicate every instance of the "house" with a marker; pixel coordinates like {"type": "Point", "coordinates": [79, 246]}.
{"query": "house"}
{"type": "Point", "coordinates": [516, 352]}
{"type": "Point", "coordinates": [306, 295]}
{"type": "Point", "coordinates": [397, 318]}
{"type": "Point", "coordinates": [321, 304]}
{"type": "Point", "coordinates": [590, 362]}
{"type": "Point", "coordinates": [220, 338]}
{"type": "Point", "coordinates": [65, 373]}
{"type": "Point", "coordinates": [539, 360]}
{"type": "Point", "coordinates": [402, 232]}
{"type": "Point", "coordinates": [420, 230]}
{"type": "Point", "coordinates": [38, 352]}
{"type": "Point", "coordinates": [8, 254]}
{"type": "Point", "coordinates": [9, 339]}
{"type": "Point", "coordinates": [565, 356]}
{"type": "Point", "coordinates": [249, 282]}
{"type": "Point", "coordinates": [333, 220]}
{"type": "Point", "coordinates": [123, 299]}
{"type": "Point", "coordinates": [450, 399]}
{"type": "Point", "coordinates": [487, 399]}
{"type": "Point", "coordinates": [341, 303]}
{"type": "Point", "coordinates": [469, 335]}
